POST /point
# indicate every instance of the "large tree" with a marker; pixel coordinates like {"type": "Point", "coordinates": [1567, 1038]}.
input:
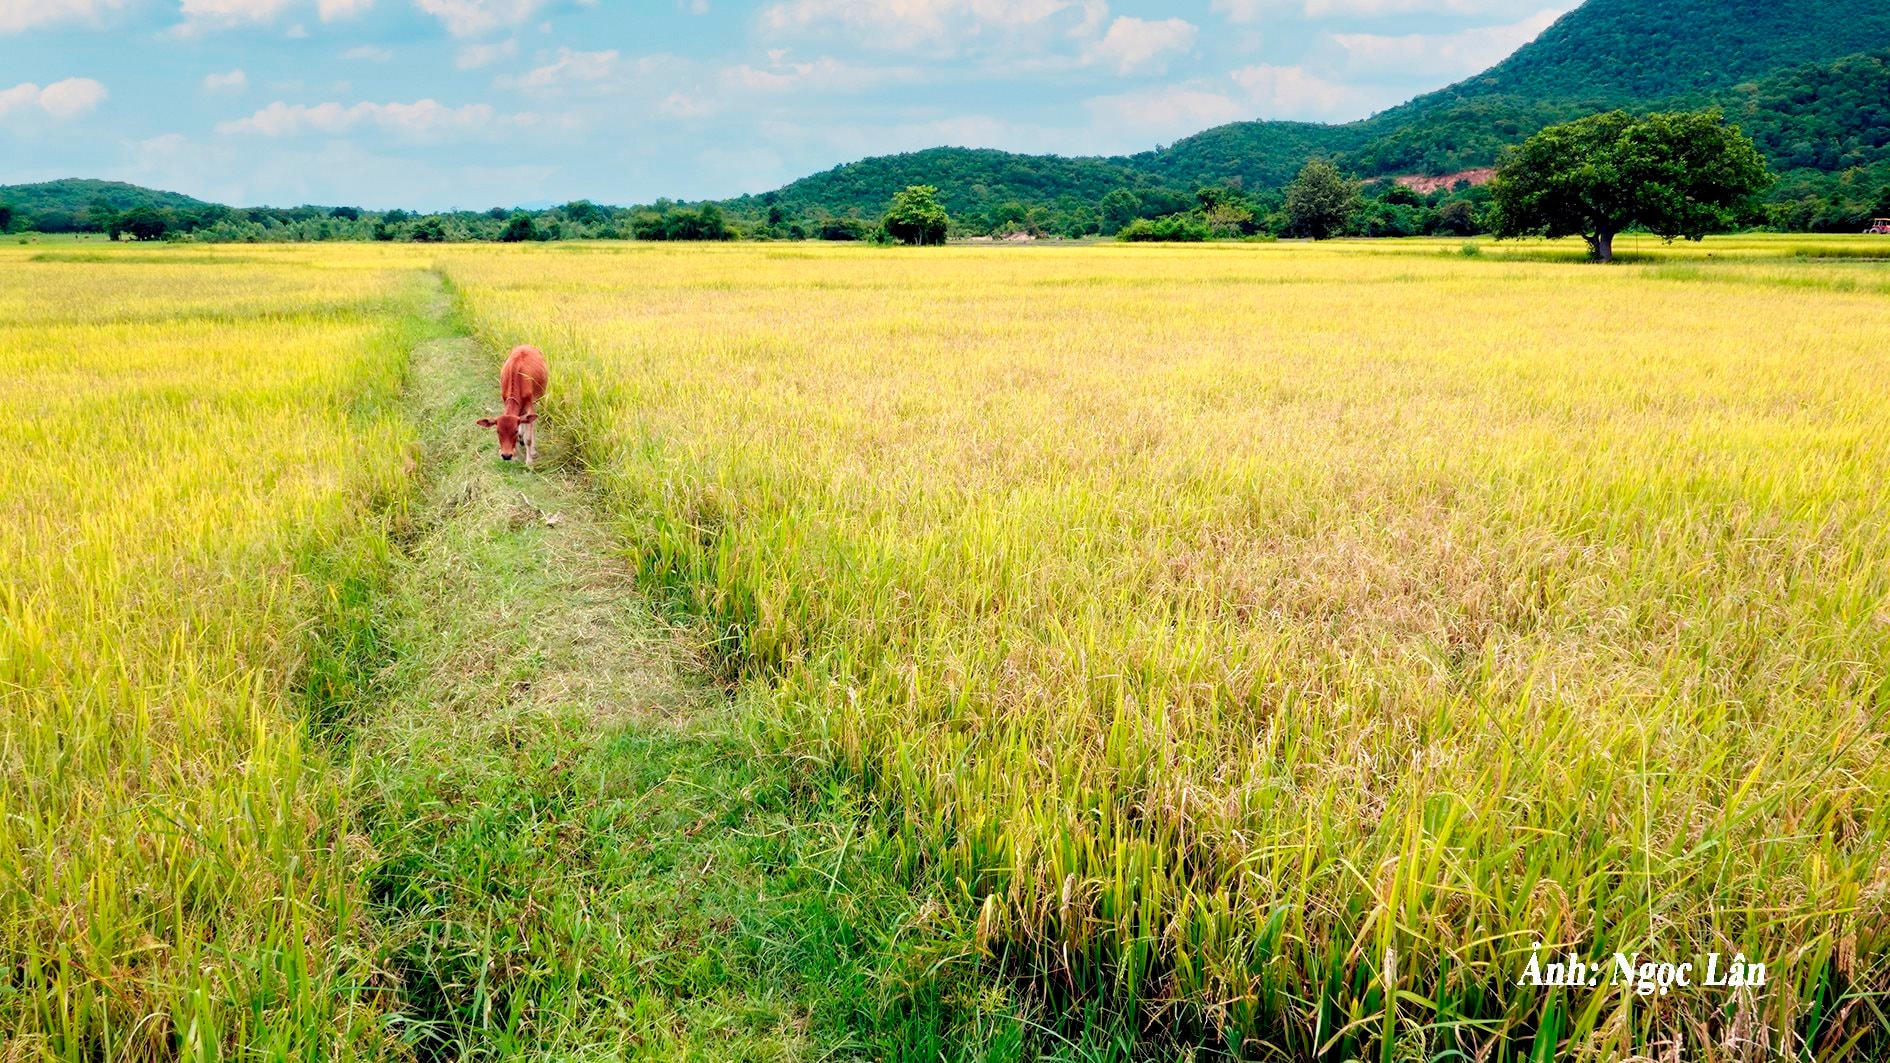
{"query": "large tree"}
{"type": "Point", "coordinates": [1118, 208]}
{"type": "Point", "coordinates": [6, 216]}
{"type": "Point", "coordinates": [1676, 174]}
{"type": "Point", "coordinates": [518, 229]}
{"type": "Point", "coordinates": [916, 216]}
{"type": "Point", "coordinates": [1319, 200]}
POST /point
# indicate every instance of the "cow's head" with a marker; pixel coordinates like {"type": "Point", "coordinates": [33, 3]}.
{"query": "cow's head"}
{"type": "Point", "coordinates": [507, 424]}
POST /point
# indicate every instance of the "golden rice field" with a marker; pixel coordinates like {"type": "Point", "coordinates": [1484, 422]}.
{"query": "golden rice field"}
{"type": "Point", "coordinates": [1282, 640]}
{"type": "Point", "coordinates": [1270, 643]}
{"type": "Point", "coordinates": [200, 463]}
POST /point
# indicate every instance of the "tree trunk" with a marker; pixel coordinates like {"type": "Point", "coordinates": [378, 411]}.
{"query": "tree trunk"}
{"type": "Point", "coordinates": [1604, 246]}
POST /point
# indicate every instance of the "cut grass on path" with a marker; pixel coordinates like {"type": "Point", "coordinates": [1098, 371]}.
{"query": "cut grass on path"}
{"type": "Point", "coordinates": [576, 847]}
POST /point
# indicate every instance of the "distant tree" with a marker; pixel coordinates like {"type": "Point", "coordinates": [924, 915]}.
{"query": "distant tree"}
{"type": "Point", "coordinates": [6, 216]}
{"type": "Point", "coordinates": [584, 212]}
{"type": "Point", "coordinates": [1319, 200]}
{"type": "Point", "coordinates": [1010, 217]}
{"type": "Point", "coordinates": [704, 223]}
{"type": "Point", "coordinates": [1175, 228]}
{"type": "Point", "coordinates": [102, 218]}
{"type": "Point", "coordinates": [392, 217]}
{"type": "Point", "coordinates": [775, 216]}
{"type": "Point", "coordinates": [498, 214]}
{"type": "Point", "coordinates": [707, 223]}
{"type": "Point", "coordinates": [1457, 218]}
{"type": "Point", "coordinates": [518, 230]}
{"type": "Point", "coordinates": [383, 231]}
{"type": "Point", "coordinates": [429, 231]}
{"type": "Point", "coordinates": [1225, 210]}
{"type": "Point", "coordinates": [1403, 195]}
{"type": "Point", "coordinates": [842, 229]}
{"type": "Point", "coordinates": [916, 218]}
{"type": "Point", "coordinates": [1118, 208]}
{"type": "Point", "coordinates": [1676, 174]}
{"type": "Point", "coordinates": [346, 213]}
{"type": "Point", "coordinates": [143, 223]}
{"type": "Point", "coordinates": [1080, 222]}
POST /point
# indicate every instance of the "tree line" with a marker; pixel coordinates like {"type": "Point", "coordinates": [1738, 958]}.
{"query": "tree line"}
{"type": "Point", "coordinates": [1675, 174]}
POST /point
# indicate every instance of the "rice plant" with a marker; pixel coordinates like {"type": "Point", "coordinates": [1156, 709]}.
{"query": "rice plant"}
{"type": "Point", "coordinates": [1285, 644]}
{"type": "Point", "coordinates": [202, 464]}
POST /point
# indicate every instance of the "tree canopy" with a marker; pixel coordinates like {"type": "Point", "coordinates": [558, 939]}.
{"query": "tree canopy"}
{"type": "Point", "coordinates": [1675, 174]}
{"type": "Point", "coordinates": [916, 217]}
{"type": "Point", "coordinates": [1319, 200]}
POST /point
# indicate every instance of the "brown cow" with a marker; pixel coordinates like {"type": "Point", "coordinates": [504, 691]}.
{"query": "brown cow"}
{"type": "Point", "coordinates": [521, 384]}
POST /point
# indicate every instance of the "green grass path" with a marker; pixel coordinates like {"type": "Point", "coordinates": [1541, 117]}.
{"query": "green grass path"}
{"type": "Point", "coordinates": [577, 852]}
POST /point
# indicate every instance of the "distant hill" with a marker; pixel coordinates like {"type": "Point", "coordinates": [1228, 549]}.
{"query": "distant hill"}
{"type": "Point", "coordinates": [1789, 71]}
{"type": "Point", "coordinates": [1809, 80]}
{"type": "Point", "coordinates": [967, 178]}
{"type": "Point", "coordinates": [55, 205]}
{"type": "Point", "coordinates": [1635, 51]}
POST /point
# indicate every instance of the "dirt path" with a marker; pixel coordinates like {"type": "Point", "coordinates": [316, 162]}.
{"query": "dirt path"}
{"type": "Point", "coordinates": [574, 847]}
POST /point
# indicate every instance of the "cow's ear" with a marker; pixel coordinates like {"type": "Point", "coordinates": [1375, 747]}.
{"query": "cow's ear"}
{"type": "Point", "coordinates": [528, 418]}
{"type": "Point", "coordinates": [486, 422]}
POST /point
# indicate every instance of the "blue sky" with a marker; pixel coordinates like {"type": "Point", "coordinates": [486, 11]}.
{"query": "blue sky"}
{"type": "Point", "coordinates": [475, 103]}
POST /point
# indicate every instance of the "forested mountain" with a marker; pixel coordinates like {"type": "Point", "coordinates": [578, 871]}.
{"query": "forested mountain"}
{"type": "Point", "coordinates": [1634, 51]}
{"type": "Point", "coordinates": [1809, 80]}
{"type": "Point", "coordinates": [1787, 71]}
{"type": "Point", "coordinates": [969, 179]}
{"type": "Point", "coordinates": [57, 205]}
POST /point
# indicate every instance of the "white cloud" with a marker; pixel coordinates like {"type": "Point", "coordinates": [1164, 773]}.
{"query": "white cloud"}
{"type": "Point", "coordinates": [470, 18]}
{"type": "Point", "coordinates": [1132, 44]}
{"type": "Point", "coordinates": [905, 24]}
{"type": "Point", "coordinates": [330, 10]}
{"type": "Point", "coordinates": [1295, 92]}
{"type": "Point", "coordinates": [1167, 112]}
{"type": "Point", "coordinates": [16, 15]}
{"type": "Point", "coordinates": [62, 100]}
{"type": "Point", "coordinates": [1383, 8]}
{"type": "Point", "coordinates": [230, 12]}
{"type": "Point", "coordinates": [1247, 10]}
{"type": "Point", "coordinates": [1447, 55]}
{"type": "Point", "coordinates": [1253, 92]}
{"type": "Point", "coordinates": [420, 120]}
{"type": "Point", "coordinates": [474, 56]}
{"type": "Point", "coordinates": [820, 75]}
{"type": "Point", "coordinates": [333, 171]}
{"type": "Point", "coordinates": [685, 105]}
{"type": "Point", "coordinates": [368, 53]}
{"type": "Point", "coordinates": [1244, 11]}
{"type": "Point", "coordinates": [568, 67]}
{"type": "Point", "coordinates": [234, 81]}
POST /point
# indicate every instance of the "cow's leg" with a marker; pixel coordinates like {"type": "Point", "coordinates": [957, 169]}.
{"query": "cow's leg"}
{"type": "Point", "coordinates": [531, 443]}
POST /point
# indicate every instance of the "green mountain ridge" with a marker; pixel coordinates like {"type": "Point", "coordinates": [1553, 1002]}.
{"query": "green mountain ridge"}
{"type": "Point", "coordinates": [1809, 80]}
{"type": "Point", "coordinates": [70, 197]}
{"type": "Point", "coordinates": [1753, 58]}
